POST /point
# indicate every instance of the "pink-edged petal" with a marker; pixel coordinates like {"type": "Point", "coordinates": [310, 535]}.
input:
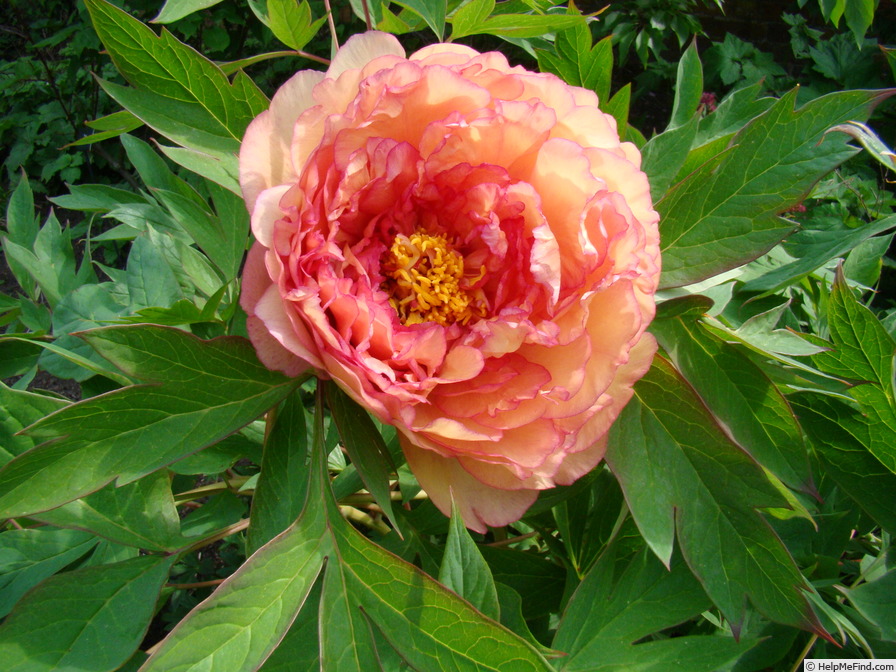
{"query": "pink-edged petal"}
{"type": "Point", "coordinates": [271, 353]}
{"type": "Point", "coordinates": [359, 50]}
{"type": "Point", "coordinates": [479, 505]}
{"type": "Point", "coordinates": [291, 334]}
{"type": "Point", "coordinates": [590, 440]}
{"type": "Point", "coordinates": [255, 279]}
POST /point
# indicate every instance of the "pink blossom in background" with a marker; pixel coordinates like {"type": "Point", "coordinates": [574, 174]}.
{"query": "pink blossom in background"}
{"type": "Point", "coordinates": [467, 249]}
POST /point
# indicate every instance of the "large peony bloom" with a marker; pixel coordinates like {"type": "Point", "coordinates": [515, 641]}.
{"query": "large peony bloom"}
{"type": "Point", "coordinates": [467, 249]}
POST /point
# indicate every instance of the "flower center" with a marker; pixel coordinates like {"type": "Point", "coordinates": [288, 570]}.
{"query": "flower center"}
{"type": "Point", "coordinates": [425, 281]}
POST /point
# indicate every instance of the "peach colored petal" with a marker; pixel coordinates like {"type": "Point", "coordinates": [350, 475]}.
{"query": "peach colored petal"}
{"type": "Point", "coordinates": [359, 50]}
{"type": "Point", "coordinates": [591, 439]}
{"type": "Point", "coordinates": [479, 505]}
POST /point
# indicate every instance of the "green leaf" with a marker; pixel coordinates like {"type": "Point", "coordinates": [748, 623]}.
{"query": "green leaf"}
{"type": "Point", "coordinates": [29, 556]}
{"type": "Point", "coordinates": [169, 68]}
{"type": "Point", "coordinates": [291, 22]}
{"type": "Point", "coordinates": [538, 578]}
{"type": "Point", "coordinates": [618, 108]}
{"type": "Point", "coordinates": [96, 198]}
{"type": "Point", "coordinates": [863, 351]}
{"type": "Point", "coordinates": [665, 154]}
{"type": "Point", "coordinates": [219, 513]}
{"type": "Point", "coordinates": [298, 651]}
{"type": "Point", "coordinates": [110, 126]}
{"type": "Point", "coordinates": [578, 63]}
{"type": "Point", "coordinates": [428, 626]}
{"type": "Point", "coordinates": [365, 447]}
{"type": "Point", "coordinates": [876, 601]}
{"type": "Point", "coordinates": [220, 168]}
{"type": "Point", "coordinates": [140, 514]}
{"type": "Point", "coordinates": [740, 397]}
{"type": "Point", "coordinates": [840, 436]}
{"type": "Point", "coordinates": [22, 226]}
{"type": "Point", "coordinates": [683, 477]}
{"type": "Point", "coordinates": [859, 17]}
{"type": "Point", "coordinates": [469, 16]}
{"type": "Point", "coordinates": [234, 220]}
{"type": "Point", "coordinates": [21, 409]}
{"type": "Point", "coordinates": [153, 170]}
{"type": "Point", "coordinates": [870, 141]}
{"type": "Point", "coordinates": [432, 11]}
{"type": "Point", "coordinates": [151, 282]}
{"type": "Point", "coordinates": [186, 124]}
{"type": "Point", "coordinates": [74, 620]}
{"type": "Point", "coordinates": [726, 212]}
{"type": "Point", "coordinates": [615, 607]}
{"type": "Point", "coordinates": [50, 262]}
{"type": "Point", "coordinates": [813, 246]}
{"type": "Point", "coordinates": [688, 87]}
{"type": "Point", "coordinates": [283, 481]}
{"type": "Point", "coordinates": [175, 10]}
{"type": "Point", "coordinates": [87, 307]}
{"type": "Point", "coordinates": [465, 571]}
{"type": "Point", "coordinates": [526, 25]}
{"type": "Point", "coordinates": [223, 241]}
{"type": "Point", "coordinates": [201, 392]}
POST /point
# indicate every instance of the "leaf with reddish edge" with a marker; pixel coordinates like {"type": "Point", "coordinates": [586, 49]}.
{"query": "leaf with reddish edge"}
{"type": "Point", "coordinates": [201, 391]}
{"type": "Point", "coordinates": [739, 394]}
{"type": "Point", "coordinates": [725, 213]}
{"type": "Point", "coordinates": [428, 626]}
{"type": "Point", "coordinates": [683, 478]}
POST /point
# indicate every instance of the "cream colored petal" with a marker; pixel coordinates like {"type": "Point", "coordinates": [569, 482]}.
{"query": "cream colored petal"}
{"type": "Point", "coordinates": [479, 505]}
{"type": "Point", "coordinates": [360, 49]}
{"type": "Point", "coordinates": [266, 212]}
{"type": "Point", "coordinates": [260, 149]}
{"type": "Point", "coordinates": [265, 159]}
{"type": "Point", "coordinates": [444, 54]}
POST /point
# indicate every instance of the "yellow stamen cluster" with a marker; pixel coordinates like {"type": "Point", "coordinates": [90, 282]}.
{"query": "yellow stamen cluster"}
{"type": "Point", "coordinates": [425, 281]}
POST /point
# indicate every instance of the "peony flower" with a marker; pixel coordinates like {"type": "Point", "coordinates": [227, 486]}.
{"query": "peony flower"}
{"type": "Point", "coordinates": [467, 249]}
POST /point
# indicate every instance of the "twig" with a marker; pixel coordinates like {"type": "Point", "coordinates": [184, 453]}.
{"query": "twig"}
{"type": "Point", "coordinates": [805, 652]}
{"type": "Point", "coordinates": [512, 540]}
{"type": "Point", "coordinates": [312, 57]}
{"type": "Point", "coordinates": [362, 518]}
{"type": "Point", "coordinates": [198, 584]}
{"type": "Point", "coordinates": [226, 532]}
{"type": "Point", "coordinates": [332, 24]}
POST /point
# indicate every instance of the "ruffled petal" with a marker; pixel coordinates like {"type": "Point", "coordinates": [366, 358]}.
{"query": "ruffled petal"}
{"type": "Point", "coordinates": [479, 505]}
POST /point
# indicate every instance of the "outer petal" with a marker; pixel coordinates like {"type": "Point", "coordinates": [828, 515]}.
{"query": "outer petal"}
{"type": "Point", "coordinates": [359, 50]}
{"type": "Point", "coordinates": [290, 334]}
{"type": "Point", "coordinates": [577, 464]}
{"type": "Point", "coordinates": [479, 505]}
{"type": "Point", "coordinates": [265, 153]}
